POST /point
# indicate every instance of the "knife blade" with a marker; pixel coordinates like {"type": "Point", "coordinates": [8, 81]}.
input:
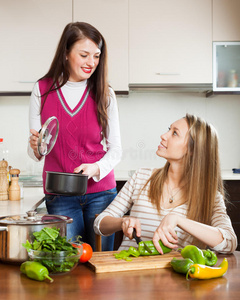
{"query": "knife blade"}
{"type": "Point", "coordinates": [138, 240]}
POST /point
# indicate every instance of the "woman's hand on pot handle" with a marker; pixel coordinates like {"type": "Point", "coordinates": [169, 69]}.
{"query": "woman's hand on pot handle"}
{"type": "Point", "coordinates": [88, 169]}
{"type": "Point", "coordinates": [166, 233]}
{"type": "Point", "coordinates": [128, 223]}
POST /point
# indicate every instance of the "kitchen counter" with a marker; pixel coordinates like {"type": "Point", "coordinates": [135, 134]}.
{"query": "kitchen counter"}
{"type": "Point", "coordinates": [229, 175]}
{"type": "Point", "coordinates": [31, 195]}
{"type": "Point", "coordinates": [35, 193]}
{"type": "Point", "coordinates": [83, 283]}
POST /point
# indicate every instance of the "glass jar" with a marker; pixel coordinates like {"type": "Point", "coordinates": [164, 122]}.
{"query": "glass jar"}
{"type": "Point", "coordinates": [233, 79]}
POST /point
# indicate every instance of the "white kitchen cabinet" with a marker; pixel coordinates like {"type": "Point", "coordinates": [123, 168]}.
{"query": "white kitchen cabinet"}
{"type": "Point", "coordinates": [226, 20]}
{"type": "Point", "coordinates": [170, 42]}
{"type": "Point", "coordinates": [29, 33]}
{"type": "Point", "coordinates": [110, 17]}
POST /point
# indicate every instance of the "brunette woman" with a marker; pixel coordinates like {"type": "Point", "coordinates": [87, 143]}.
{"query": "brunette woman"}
{"type": "Point", "coordinates": [181, 203]}
{"type": "Point", "coordinates": [76, 91]}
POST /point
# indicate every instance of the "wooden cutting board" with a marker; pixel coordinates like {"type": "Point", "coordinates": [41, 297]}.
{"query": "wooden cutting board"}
{"type": "Point", "coordinates": [106, 262]}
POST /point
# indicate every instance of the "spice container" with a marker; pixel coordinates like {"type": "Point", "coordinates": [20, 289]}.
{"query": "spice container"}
{"type": "Point", "coordinates": [3, 180]}
{"type": "Point", "coordinates": [14, 190]}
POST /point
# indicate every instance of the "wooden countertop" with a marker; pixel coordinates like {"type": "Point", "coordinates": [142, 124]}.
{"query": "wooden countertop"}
{"type": "Point", "coordinates": [83, 283]}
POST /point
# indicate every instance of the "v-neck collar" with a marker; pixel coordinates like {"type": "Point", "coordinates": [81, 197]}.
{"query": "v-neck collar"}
{"type": "Point", "coordinates": [72, 112]}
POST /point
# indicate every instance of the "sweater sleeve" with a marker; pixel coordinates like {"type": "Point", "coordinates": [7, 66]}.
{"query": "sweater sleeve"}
{"type": "Point", "coordinates": [221, 220]}
{"type": "Point", "coordinates": [113, 141]}
{"type": "Point", "coordinates": [119, 206]}
{"type": "Point", "coordinates": [34, 116]}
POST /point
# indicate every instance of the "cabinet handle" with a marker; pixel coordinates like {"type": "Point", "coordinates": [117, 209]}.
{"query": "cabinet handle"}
{"type": "Point", "coordinates": [167, 73]}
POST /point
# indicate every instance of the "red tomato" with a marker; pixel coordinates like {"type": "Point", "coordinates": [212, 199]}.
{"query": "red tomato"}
{"type": "Point", "coordinates": [87, 252]}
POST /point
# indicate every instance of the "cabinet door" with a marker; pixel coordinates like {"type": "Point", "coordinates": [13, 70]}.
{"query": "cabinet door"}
{"type": "Point", "coordinates": [110, 17]}
{"type": "Point", "coordinates": [226, 20]}
{"type": "Point", "coordinates": [29, 33]}
{"type": "Point", "coordinates": [170, 41]}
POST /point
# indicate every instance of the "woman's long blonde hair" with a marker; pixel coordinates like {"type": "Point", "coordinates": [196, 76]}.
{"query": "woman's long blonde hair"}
{"type": "Point", "coordinates": [201, 174]}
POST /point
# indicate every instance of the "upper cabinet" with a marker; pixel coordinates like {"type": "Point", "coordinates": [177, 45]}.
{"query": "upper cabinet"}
{"type": "Point", "coordinates": [226, 20]}
{"type": "Point", "coordinates": [170, 42]}
{"type": "Point", "coordinates": [110, 17]}
{"type": "Point", "coordinates": [29, 33]}
{"type": "Point", "coordinates": [150, 42]}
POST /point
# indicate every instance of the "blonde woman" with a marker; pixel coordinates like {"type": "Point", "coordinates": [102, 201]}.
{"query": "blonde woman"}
{"type": "Point", "coordinates": [181, 203]}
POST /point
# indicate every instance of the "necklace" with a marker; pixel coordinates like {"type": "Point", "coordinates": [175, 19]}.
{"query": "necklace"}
{"type": "Point", "coordinates": [171, 199]}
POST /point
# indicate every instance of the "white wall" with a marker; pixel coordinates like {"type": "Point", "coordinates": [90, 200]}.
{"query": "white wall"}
{"type": "Point", "coordinates": [143, 118]}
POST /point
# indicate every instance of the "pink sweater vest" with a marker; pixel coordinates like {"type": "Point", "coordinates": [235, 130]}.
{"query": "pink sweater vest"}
{"type": "Point", "coordinates": [79, 137]}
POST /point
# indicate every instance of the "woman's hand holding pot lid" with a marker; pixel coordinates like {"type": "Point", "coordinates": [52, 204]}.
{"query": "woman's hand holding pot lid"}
{"type": "Point", "coordinates": [33, 141]}
{"type": "Point", "coordinates": [88, 169]}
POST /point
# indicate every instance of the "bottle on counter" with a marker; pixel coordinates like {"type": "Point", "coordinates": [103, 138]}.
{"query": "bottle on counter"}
{"type": "Point", "coordinates": [4, 183]}
{"type": "Point", "coordinates": [3, 180]}
{"type": "Point", "coordinates": [14, 189]}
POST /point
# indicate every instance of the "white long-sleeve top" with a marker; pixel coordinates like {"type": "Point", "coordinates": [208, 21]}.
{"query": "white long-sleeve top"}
{"type": "Point", "coordinates": [73, 92]}
{"type": "Point", "coordinates": [141, 208]}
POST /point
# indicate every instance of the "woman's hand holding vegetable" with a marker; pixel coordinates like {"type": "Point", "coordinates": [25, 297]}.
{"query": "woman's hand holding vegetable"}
{"type": "Point", "coordinates": [166, 233]}
{"type": "Point", "coordinates": [88, 169]}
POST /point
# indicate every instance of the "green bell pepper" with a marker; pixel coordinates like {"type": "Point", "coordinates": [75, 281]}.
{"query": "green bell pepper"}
{"type": "Point", "coordinates": [133, 251]}
{"type": "Point", "coordinates": [141, 251]}
{"type": "Point", "coordinates": [194, 253]}
{"type": "Point", "coordinates": [151, 246]}
{"type": "Point", "coordinates": [181, 265]}
{"type": "Point", "coordinates": [210, 257]}
{"type": "Point", "coordinates": [35, 270]}
{"type": "Point", "coordinates": [123, 255]}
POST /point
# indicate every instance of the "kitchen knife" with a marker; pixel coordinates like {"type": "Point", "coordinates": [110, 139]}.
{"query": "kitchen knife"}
{"type": "Point", "coordinates": [138, 240]}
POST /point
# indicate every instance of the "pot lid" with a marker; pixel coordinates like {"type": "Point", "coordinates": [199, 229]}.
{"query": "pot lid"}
{"type": "Point", "coordinates": [31, 217]}
{"type": "Point", "coordinates": [48, 136]}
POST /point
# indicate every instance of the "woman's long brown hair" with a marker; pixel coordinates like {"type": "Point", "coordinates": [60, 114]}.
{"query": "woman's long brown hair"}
{"type": "Point", "coordinates": [97, 83]}
{"type": "Point", "coordinates": [202, 173]}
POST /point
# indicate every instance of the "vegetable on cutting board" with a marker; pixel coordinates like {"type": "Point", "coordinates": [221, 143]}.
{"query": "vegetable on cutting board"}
{"type": "Point", "coordinates": [141, 251]}
{"type": "Point", "coordinates": [144, 252]}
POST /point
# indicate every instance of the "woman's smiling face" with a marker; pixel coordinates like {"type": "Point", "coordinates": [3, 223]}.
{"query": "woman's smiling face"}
{"type": "Point", "coordinates": [83, 60]}
{"type": "Point", "coordinates": [174, 143]}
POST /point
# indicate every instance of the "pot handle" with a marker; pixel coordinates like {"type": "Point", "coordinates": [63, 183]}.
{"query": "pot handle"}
{"type": "Point", "coordinates": [3, 228]}
{"type": "Point", "coordinates": [38, 203]}
{"type": "Point", "coordinates": [64, 218]}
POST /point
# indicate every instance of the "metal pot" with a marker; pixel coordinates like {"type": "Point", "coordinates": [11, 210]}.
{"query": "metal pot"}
{"type": "Point", "coordinates": [66, 183]}
{"type": "Point", "coordinates": [15, 230]}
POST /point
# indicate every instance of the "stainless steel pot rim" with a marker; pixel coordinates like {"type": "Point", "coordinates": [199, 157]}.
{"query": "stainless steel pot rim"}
{"type": "Point", "coordinates": [68, 174]}
{"type": "Point", "coordinates": [40, 219]}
